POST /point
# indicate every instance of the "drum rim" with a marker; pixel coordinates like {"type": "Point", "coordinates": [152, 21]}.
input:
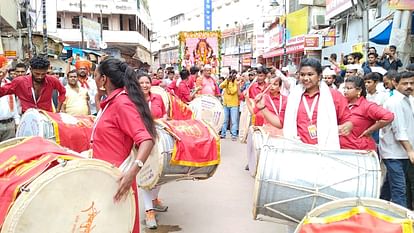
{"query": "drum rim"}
{"type": "Point", "coordinates": [257, 185]}
{"type": "Point", "coordinates": [354, 202]}
{"type": "Point", "coordinates": [246, 125]}
{"type": "Point", "coordinates": [35, 112]}
{"type": "Point", "coordinates": [25, 198]}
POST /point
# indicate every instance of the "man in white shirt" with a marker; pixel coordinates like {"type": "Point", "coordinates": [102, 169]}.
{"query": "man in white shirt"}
{"type": "Point", "coordinates": [9, 116]}
{"type": "Point", "coordinates": [76, 102]}
{"type": "Point", "coordinates": [373, 95]}
{"type": "Point", "coordinates": [397, 140]}
{"type": "Point", "coordinates": [83, 68]}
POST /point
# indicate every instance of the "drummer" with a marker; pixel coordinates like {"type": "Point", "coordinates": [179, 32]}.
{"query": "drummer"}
{"type": "Point", "coordinates": [150, 197]}
{"type": "Point", "coordinates": [124, 121]}
{"type": "Point", "coordinates": [315, 113]}
{"type": "Point", "coordinates": [184, 92]}
{"type": "Point", "coordinates": [255, 89]}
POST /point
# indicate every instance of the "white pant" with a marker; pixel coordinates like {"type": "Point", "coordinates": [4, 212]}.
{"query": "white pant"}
{"type": "Point", "coordinates": [149, 195]}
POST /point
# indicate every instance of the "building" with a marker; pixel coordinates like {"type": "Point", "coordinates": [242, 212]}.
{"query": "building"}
{"type": "Point", "coordinates": [9, 22]}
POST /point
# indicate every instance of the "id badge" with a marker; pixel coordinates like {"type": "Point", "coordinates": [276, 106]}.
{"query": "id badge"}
{"type": "Point", "coordinates": [313, 133]}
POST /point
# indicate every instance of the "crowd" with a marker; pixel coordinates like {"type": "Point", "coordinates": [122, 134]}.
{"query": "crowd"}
{"type": "Point", "coordinates": [346, 105]}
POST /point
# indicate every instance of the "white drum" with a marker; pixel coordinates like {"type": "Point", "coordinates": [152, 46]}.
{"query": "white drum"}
{"type": "Point", "coordinates": [157, 169]}
{"type": "Point", "coordinates": [34, 123]}
{"type": "Point", "coordinates": [209, 109]}
{"type": "Point", "coordinates": [245, 119]}
{"type": "Point", "coordinates": [293, 178]}
{"type": "Point", "coordinates": [358, 215]}
{"type": "Point", "coordinates": [255, 141]}
{"type": "Point", "coordinates": [164, 95]}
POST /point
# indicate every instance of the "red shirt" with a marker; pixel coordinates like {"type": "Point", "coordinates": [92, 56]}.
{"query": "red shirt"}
{"type": "Point", "coordinates": [184, 91]}
{"type": "Point", "coordinates": [156, 82]}
{"type": "Point", "coordinates": [279, 105]}
{"type": "Point", "coordinates": [22, 88]}
{"type": "Point", "coordinates": [157, 106]}
{"type": "Point", "coordinates": [172, 87]}
{"type": "Point", "coordinates": [343, 114]}
{"type": "Point", "coordinates": [118, 128]}
{"type": "Point", "coordinates": [191, 81]}
{"type": "Point", "coordinates": [363, 115]}
{"type": "Point", "coordinates": [256, 89]}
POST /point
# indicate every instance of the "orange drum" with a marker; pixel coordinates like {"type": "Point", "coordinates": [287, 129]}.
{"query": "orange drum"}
{"type": "Point", "coordinates": [73, 132]}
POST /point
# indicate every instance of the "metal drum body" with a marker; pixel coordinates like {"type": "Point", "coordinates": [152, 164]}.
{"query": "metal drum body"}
{"type": "Point", "coordinates": [293, 178]}
{"type": "Point", "coordinates": [157, 169]}
{"type": "Point", "coordinates": [255, 140]}
{"type": "Point", "coordinates": [34, 123]}
{"type": "Point", "coordinates": [319, 215]}
{"type": "Point", "coordinates": [209, 109]}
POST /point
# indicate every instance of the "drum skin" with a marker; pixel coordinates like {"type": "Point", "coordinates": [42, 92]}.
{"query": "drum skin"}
{"type": "Point", "coordinates": [76, 196]}
{"type": "Point", "coordinates": [338, 207]}
{"type": "Point", "coordinates": [244, 123]}
{"type": "Point", "coordinates": [209, 109]}
{"type": "Point", "coordinates": [293, 178]}
{"type": "Point", "coordinates": [34, 123]}
{"type": "Point", "coordinates": [157, 169]}
{"type": "Point", "coordinates": [255, 140]}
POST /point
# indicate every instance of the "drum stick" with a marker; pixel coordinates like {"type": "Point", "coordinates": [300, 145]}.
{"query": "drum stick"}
{"type": "Point", "coordinates": [248, 88]}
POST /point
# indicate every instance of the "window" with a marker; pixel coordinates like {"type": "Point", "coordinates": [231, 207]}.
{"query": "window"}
{"type": "Point", "coordinates": [59, 22]}
{"type": "Point", "coordinates": [131, 23]}
{"type": "Point", "coordinates": [176, 19]}
{"type": "Point", "coordinates": [75, 22]}
{"type": "Point", "coordinates": [105, 22]}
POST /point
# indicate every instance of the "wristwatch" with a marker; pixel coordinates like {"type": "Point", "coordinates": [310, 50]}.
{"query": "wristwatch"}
{"type": "Point", "coordinates": [139, 163]}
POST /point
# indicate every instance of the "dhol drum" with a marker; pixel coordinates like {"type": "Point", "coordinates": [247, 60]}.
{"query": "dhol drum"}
{"type": "Point", "coordinates": [255, 140]}
{"type": "Point", "coordinates": [69, 196]}
{"type": "Point", "coordinates": [68, 131]}
{"type": "Point", "coordinates": [209, 109]}
{"type": "Point", "coordinates": [362, 215]}
{"type": "Point", "coordinates": [293, 178]}
{"type": "Point", "coordinates": [245, 119]}
{"type": "Point", "coordinates": [164, 95]}
{"type": "Point", "coordinates": [157, 169]}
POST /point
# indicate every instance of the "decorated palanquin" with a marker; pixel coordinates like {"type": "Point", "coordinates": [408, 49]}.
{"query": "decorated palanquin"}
{"type": "Point", "coordinates": [73, 132]}
{"type": "Point", "coordinates": [358, 215]}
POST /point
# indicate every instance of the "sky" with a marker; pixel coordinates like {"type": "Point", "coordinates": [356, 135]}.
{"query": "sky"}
{"type": "Point", "coordinates": [163, 9]}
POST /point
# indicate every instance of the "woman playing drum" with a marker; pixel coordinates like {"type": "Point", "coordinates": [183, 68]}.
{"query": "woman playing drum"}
{"type": "Point", "coordinates": [125, 121]}
{"type": "Point", "coordinates": [151, 201]}
{"type": "Point", "coordinates": [366, 116]}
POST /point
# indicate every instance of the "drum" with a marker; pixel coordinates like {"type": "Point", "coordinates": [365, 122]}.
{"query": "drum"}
{"type": "Point", "coordinates": [70, 196]}
{"type": "Point", "coordinates": [244, 123]}
{"type": "Point", "coordinates": [164, 95]}
{"type": "Point", "coordinates": [157, 169]}
{"type": "Point", "coordinates": [293, 178]}
{"type": "Point", "coordinates": [362, 215]}
{"type": "Point", "coordinates": [67, 130]}
{"type": "Point", "coordinates": [255, 140]}
{"type": "Point", "coordinates": [209, 109]}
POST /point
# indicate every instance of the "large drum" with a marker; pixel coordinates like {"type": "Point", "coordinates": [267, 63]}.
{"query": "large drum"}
{"type": "Point", "coordinates": [164, 95]}
{"type": "Point", "coordinates": [69, 196]}
{"type": "Point", "coordinates": [157, 169]}
{"type": "Point", "coordinates": [209, 109]}
{"type": "Point", "coordinates": [245, 119]}
{"type": "Point", "coordinates": [69, 131]}
{"type": "Point", "coordinates": [362, 215]}
{"type": "Point", "coordinates": [255, 141]}
{"type": "Point", "coordinates": [293, 178]}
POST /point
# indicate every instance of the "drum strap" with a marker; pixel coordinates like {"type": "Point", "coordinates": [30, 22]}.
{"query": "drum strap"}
{"type": "Point", "coordinates": [274, 107]}
{"type": "Point", "coordinates": [312, 109]}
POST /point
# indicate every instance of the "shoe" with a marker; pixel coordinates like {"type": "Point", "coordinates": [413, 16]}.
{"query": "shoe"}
{"type": "Point", "coordinates": [247, 167]}
{"type": "Point", "coordinates": [150, 220]}
{"type": "Point", "coordinates": [158, 206]}
{"type": "Point", "coordinates": [234, 139]}
{"type": "Point", "coordinates": [222, 137]}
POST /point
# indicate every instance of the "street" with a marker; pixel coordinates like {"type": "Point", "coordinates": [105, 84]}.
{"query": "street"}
{"type": "Point", "coordinates": [221, 204]}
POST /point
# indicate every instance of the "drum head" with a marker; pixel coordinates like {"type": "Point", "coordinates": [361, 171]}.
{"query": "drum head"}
{"type": "Point", "coordinates": [209, 109]}
{"type": "Point", "coordinates": [76, 197]}
{"type": "Point", "coordinates": [34, 123]}
{"type": "Point", "coordinates": [244, 123]}
{"type": "Point", "coordinates": [336, 213]}
{"type": "Point", "coordinates": [164, 95]}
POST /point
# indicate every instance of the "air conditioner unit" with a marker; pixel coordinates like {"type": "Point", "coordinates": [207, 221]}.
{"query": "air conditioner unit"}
{"type": "Point", "coordinates": [318, 20]}
{"type": "Point", "coordinates": [306, 2]}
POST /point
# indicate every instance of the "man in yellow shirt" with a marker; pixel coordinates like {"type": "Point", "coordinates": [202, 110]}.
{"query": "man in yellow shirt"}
{"type": "Point", "coordinates": [76, 103]}
{"type": "Point", "coordinates": [231, 105]}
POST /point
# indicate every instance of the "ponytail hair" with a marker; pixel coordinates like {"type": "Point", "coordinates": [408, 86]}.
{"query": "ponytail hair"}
{"type": "Point", "coordinates": [121, 75]}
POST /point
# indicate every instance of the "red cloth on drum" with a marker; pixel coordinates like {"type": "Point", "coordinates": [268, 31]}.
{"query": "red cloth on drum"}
{"type": "Point", "coordinates": [184, 91]}
{"type": "Point", "coordinates": [364, 115]}
{"type": "Point", "coordinates": [343, 114]}
{"type": "Point", "coordinates": [178, 109]}
{"type": "Point", "coordinates": [75, 136]}
{"type": "Point", "coordinates": [196, 145]}
{"type": "Point", "coordinates": [22, 88]}
{"type": "Point", "coordinates": [157, 106]}
{"type": "Point", "coordinates": [23, 162]}
{"type": "Point", "coordinates": [119, 127]}
{"type": "Point", "coordinates": [361, 223]}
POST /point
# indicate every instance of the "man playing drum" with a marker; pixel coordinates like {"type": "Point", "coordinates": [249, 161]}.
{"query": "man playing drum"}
{"type": "Point", "coordinates": [35, 90]}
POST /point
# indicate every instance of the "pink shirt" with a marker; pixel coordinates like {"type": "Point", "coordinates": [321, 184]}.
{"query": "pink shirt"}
{"type": "Point", "coordinates": [363, 115]}
{"type": "Point", "coordinates": [119, 127]}
{"type": "Point", "coordinates": [209, 87]}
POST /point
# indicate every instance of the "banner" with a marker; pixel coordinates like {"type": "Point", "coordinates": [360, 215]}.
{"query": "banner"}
{"type": "Point", "coordinates": [92, 32]}
{"type": "Point", "coordinates": [401, 4]}
{"type": "Point", "coordinates": [178, 109]}
{"type": "Point", "coordinates": [336, 7]}
{"type": "Point", "coordinates": [207, 15]}
{"type": "Point", "coordinates": [72, 132]}
{"type": "Point", "coordinates": [22, 163]}
{"type": "Point", "coordinates": [200, 48]}
{"type": "Point", "coordinates": [196, 144]}
{"type": "Point", "coordinates": [297, 22]}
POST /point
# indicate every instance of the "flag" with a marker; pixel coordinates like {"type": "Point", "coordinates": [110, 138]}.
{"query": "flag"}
{"type": "Point", "coordinates": [178, 109]}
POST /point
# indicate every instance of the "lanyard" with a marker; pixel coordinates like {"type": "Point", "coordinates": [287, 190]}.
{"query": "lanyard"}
{"type": "Point", "coordinates": [34, 97]}
{"type": "Point", "coordinates": [280, 105]}
{"type": "Point", "coordinates": [309, 112]}
{"type": "Point", "coordinates": [100, 113]}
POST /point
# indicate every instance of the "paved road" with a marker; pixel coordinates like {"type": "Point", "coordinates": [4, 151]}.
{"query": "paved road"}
{"type": "Point", "coordinates": [221, 204]}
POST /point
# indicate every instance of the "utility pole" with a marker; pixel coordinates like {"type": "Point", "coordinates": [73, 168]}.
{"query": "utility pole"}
{"type": "Point", "coordinates": [45, 45]}
{"type": "Point", "coordinates": [81, 24]}
{"type": "Point", "coordinates": [101, 26]}
{"type": "Point", "coordinates": [365, 25]}
{"type": "Point", "coordinates": [284, 64]}
{"type": "Point", "coordinates": [29, 27]}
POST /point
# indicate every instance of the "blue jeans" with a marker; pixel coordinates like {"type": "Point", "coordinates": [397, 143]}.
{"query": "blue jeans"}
{"type": "Point", "coordinates": [233, 113]}
{"type": "Point", "coordinates": [394, 187]}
